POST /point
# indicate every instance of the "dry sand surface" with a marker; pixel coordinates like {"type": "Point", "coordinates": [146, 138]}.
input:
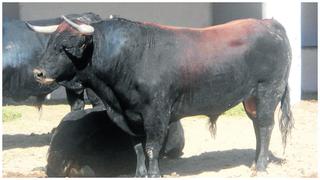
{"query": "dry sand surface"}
{"type": "Point", "coordinates": [229, 154]}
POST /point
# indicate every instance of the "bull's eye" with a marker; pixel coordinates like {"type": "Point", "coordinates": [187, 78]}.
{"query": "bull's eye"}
{"type": "Point", "coordinates": [67, 49]}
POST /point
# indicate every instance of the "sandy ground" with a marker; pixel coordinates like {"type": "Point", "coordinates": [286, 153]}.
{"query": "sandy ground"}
{"type": "Point", "coordinates": [229, 154]}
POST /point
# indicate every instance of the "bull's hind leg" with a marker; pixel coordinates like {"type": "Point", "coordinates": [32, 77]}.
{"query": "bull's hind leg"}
{"type": "Point", "coordinates": [261, 110]}
{"type": "Point", "coordinates": [250, 106]}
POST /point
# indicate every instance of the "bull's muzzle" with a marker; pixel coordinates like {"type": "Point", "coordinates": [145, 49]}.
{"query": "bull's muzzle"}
{"type": "Point", "coordinates": [40, 76]}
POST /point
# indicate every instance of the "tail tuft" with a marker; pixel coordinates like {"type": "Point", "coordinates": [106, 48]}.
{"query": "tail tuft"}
{"type": "Point", "coordinates": [213, 126]}
{"type": "Point", "coordinates": [286, 121]}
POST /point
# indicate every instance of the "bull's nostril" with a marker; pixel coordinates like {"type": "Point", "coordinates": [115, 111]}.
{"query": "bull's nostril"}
{"type": "Point", "coordinates": [38, 73]}
{"type": "Point", "coordinates": [41, 77]}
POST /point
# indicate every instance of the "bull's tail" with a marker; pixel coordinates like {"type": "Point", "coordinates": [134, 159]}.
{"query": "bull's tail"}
{"type": "Point", "coordinates": [213, 125]}
{"type": "Point", "coordinates": [286, 121]}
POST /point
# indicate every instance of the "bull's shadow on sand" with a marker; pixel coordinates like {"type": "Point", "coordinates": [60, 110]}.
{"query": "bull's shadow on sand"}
{"type": "Point", "coordinates": [205, 162]}
{"type": "Point", "coordinates": [208, 161]}
{"type": "Point", "coordinates": [25, 140]}
{"type": "Point", "coordinates": [212, 161]}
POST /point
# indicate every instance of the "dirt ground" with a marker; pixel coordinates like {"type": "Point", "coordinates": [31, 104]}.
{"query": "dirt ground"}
{"type": "Point", "coordinates": [229, 154]}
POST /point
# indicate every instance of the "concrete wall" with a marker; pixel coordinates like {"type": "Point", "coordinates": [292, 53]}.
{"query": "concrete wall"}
{"type": "Point", "coordinates": [309, 71]}
{"type": "Point", "coordinates": [11, 10]}
{"type": "Point", "coordinates": [224, 12]}
{"type": "Point", "coordinates": [309, 43]}
{"type": "Point", "coordinates": [181, 14]}
{"type": "Point", "coordinates": [309, 24]}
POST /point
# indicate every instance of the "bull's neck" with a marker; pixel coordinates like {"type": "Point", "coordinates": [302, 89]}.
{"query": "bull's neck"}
{"type": "Point", "coordinates": [112, 52]}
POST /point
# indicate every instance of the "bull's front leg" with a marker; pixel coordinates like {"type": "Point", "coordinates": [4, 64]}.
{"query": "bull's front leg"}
{"type": "Point", "coordinates": [156, 125]}
{"type": "Point", "coordinates": [141, 170]}
{"type": "Point", "coordinates": [75, 99]}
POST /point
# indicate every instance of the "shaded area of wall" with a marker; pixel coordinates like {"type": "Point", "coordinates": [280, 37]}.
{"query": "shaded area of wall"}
{"type": "Point", "coordinates": [11, 10]}
{"type": "Point", "coordinates": [309, 51]}
{"type": "Point", "coordinates": [309, 69]}
{"type": "Point", "coordinates": [309, 24]}
{"type": "Point", "coordinates": [224, 12]}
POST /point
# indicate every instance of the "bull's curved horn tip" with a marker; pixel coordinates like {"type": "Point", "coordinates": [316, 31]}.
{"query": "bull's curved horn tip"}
{"type": "Point", "coordinates": [82, 28]}
{"type": "Point", "coordinates": [42, 29]}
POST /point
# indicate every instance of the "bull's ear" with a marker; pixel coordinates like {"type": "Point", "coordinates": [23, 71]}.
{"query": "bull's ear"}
{"type": "Point", "coordinates": [75, 45]}
{"type": "Point", "coordinates": [80, 57]}
{"type": "Point", "coordinates": [73, 52]}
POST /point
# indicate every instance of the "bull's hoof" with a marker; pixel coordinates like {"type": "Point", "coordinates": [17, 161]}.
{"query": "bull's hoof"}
{"type": "Point", "coordinates": [141, 174]}
{"type": "Point", "coordinates": [258, 171]}
{"type": "Point", "coordinates": [84, 171]}
{"type": "Point", "coordinates": [259, 174]}
{"type": "Point", "coordinates": [276, 160]}
{"type": "Point", "coordinates": [154, 175]}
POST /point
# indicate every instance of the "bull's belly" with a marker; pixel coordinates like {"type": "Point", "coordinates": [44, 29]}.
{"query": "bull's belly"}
{"type": "Point", "coordinates": [211, 101]}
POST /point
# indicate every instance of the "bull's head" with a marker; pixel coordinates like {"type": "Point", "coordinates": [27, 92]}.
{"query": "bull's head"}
{"type": "Point", "coordinates": [68, 41]}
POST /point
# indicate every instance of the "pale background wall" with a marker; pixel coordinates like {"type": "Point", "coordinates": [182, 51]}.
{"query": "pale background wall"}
{"type": "Point", "coordinates": [309, 71]}
{"type": "Point", "coordinates": [180, 14]}
{"type": "Point", "coordinates": [309, 53]}
{"type": "Point", "coordinates": [224, 12]}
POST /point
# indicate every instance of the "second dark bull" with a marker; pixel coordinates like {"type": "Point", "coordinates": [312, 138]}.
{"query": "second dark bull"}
{"type": "Point", "coordinates": [88, 143]}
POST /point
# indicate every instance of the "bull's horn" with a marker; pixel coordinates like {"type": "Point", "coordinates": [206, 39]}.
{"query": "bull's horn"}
{"type": "Point", "coordinates": [43, 29]}
{"type": "Point", "coordinates": [82, 28]}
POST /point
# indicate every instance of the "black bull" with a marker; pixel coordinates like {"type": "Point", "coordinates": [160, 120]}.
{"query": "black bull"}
{"type": "Point", "coordinates": [22, 50]}
{"type": "Point", "coordinates": [88, 143]}
{"type": "Point", "coordinates": [151, 74]}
